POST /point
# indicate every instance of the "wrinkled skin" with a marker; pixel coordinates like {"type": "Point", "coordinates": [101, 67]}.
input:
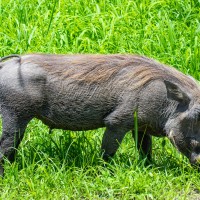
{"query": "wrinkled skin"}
{"type": "Point", "coordinates": [87, 92]}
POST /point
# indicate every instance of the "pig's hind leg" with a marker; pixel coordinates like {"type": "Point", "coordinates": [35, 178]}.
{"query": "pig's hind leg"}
{"type": "Point", "coordinates": [13, 131]}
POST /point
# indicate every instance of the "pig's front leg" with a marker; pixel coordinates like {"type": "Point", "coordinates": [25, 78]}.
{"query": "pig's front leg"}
{"type": "Point", "coordinates": [111, 140]}
{"type": "Point", "coordinates": [13, 132]}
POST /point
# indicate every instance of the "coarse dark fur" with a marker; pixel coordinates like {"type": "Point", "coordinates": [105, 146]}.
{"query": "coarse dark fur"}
{"type": "Point", "coordinates": [83, 92]}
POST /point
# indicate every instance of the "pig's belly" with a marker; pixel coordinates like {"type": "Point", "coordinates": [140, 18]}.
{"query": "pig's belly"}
{"type": "Point", "coordinates": [74, 119]}
{"type": "Point", "coordinates": [82, 110]}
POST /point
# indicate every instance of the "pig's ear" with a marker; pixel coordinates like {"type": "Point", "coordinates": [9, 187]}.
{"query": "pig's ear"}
{"type": "Point", "coordinates": [174, 92]}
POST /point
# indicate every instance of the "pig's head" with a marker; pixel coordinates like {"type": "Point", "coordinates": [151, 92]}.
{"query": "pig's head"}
{"type": "Point", "coordinates": [183, 125]}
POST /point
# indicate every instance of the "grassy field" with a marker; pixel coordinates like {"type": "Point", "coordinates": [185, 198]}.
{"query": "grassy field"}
{"type": "Point", "coordinates": [68, 165]}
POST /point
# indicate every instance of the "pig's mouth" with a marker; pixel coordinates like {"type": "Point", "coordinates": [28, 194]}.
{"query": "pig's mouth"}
{"type": "Point", "coordinates": [195, 159]}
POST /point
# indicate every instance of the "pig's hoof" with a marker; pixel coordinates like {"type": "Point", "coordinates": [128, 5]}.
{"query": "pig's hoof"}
{"type": "Point", "coordinates": [107, 157]}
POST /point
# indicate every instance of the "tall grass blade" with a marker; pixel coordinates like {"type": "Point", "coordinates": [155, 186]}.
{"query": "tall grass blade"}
{"type": "Point", "coordinates": [51, 18]}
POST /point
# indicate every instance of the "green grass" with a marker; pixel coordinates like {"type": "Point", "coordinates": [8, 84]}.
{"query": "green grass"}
{"type": "Point", "coordinates": [68, 165]}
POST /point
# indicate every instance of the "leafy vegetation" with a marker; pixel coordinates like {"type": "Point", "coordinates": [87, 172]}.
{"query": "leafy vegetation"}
{"type": "Point", "coordinates": [68, 165]}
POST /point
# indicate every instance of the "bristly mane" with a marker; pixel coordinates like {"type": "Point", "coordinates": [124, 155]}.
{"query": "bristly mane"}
{"type": "Point", "coordinates": [132, 69]}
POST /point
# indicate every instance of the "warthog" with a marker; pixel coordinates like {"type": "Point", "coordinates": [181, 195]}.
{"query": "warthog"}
{"type": "Point", "coordinates": [84, 92]}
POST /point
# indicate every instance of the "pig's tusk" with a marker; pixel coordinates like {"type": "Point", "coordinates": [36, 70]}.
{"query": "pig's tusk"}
{"type": "Point", "coordinates": [171, 137]}
{"type": "Point", "coordinates": [171, 134]}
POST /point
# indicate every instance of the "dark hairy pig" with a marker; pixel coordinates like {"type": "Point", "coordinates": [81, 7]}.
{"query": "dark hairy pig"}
{"type": "Point", "coordinates": [84, 92]}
